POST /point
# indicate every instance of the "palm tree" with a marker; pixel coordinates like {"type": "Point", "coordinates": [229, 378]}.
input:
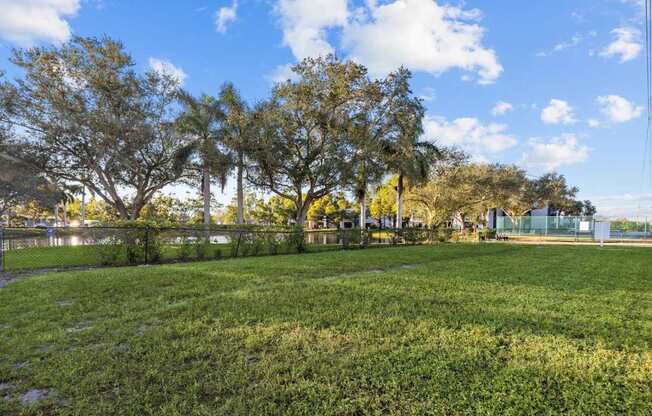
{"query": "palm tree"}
{"type": "Point", "coordinates": [202, 119]}
{"type": "Point", "coordinates": [236, 133]}
{"type": "Point", "coordinates": [67, 194]}
{"type": "Point", "coordinates": [411, 160]}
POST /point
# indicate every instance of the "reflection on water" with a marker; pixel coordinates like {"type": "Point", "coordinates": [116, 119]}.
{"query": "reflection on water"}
{"type": "Point", "coordinates": [91, 240]}
{"type": "Point", "coordinates": [88, 237]}
{"type": "Point", "coordinates": [51, 241]}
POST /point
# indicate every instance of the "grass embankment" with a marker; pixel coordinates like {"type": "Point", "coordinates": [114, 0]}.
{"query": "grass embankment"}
{"type": "Point", "coordinates": [450, 329]}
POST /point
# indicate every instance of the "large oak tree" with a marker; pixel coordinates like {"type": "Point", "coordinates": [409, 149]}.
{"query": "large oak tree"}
{"type": "Point", "coordinates": [93, 120]}
{"type": "Point", "coordinates": [303, 149]}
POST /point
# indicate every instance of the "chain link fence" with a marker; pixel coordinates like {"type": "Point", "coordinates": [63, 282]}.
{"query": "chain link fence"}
{"type": "Point", "coordinates": [56, 248]}
{"type": "Point", "coordinates": [565, 229]}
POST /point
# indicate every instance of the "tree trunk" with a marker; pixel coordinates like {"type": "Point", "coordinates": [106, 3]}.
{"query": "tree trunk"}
{"type": "Point", "coordinates": [65, 213]}
{"type": "Point", "coordinates": [302, 213]}
{"type": "Point", "coordinates": [56, 215]}
{"type": "Point", "coordinates": [399, 202]}
{"type": "Point", "coordinates": [82, 207]}
{"type": "Point", "coordinates": [206, 192]}
{"type": "Point", "coordinates": [240, 190]}
{"type": "Point", "coordinates": [363, 210]}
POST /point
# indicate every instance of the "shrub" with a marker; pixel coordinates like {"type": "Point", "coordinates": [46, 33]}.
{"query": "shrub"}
{"type": "Point", "coordinates": [295, 240]}
{"type": "Point", "coordinates": [185, 250]}
{"type": "Point", "coordinates": [202, 249]}
{"type": "Point", "coordinates": [351, 237]}
{"type": "Point", "coordinates": [415, 235]}
{"type": "Point", "coordinates": [444, 235]}
{"type": "Point", "coordinates": [111, 253]}
{"type": "Point", "coordinates": [272, 243]}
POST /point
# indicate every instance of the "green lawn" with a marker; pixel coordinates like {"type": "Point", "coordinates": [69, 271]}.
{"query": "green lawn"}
{"type": "Point", "coordinates": [450, 329]}
{"type": "Point", "coordinates": [39, 258]}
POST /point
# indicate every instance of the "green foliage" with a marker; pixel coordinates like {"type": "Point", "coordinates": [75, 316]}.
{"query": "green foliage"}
{"type": "Point", "coordinates": [186, 249]}
{"type": "Point", "coordinates": [112, 253]}
{"type": "Point", "coordinates": [350, 237]}
{"type": "Point", "coordinates": [383, 203]}
{"type": "Point", "coordinates": [119, 136]}
{"type": "Point", "coordinates": [294, 240]}
{"type": "Point", "coordinates": [202, 249]}
{"type": "Point", "coordinates": [416, 235]}
{"type": "Point", "coordinates": [303, 131]}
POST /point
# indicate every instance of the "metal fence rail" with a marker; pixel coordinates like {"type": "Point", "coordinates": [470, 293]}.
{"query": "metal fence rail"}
{"type": "Point", "coordinates": [57, 248]}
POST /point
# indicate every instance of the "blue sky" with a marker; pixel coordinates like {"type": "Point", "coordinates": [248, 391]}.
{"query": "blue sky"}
{"type": "Point", "coordinates": [549, 85]}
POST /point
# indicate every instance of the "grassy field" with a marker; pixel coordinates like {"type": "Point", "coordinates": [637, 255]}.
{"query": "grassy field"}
{"type": "Point", "coordinates": [449, 329]}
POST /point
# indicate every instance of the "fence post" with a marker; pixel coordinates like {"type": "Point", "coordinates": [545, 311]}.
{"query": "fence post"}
{"type": "Point", "coordinates": [237, 247]}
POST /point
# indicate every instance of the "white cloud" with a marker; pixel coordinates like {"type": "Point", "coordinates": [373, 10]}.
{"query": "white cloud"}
{"type": "Point", "coordinates": [626, 45]}
{"type": "Point", "coordinates": [618, 109]}
{"type": "Point", "coordinates": [423, 36]}
{"type": "Point", "coordinates": [624, 206]}
{"type": "Point", "coordinates": [305, 22]}
{"type": "Point", "coordinates": [574, 41]}
{"type": "Point", "coordinates": [26, 21]}
{"type": "Point", "coordinates": [166, 67]}
{"type": "Point", "coordinates": [468, 133]}
{"type": "Point", "coordinates": [594, 123]}
{"type": "Point", "coordinates": [226, 15]}
{"type": "Point", "coordinates": [419, 34]}
{"type": "Point", "coordinates": [501, 108]}
{"type": "Point", "coordinates": [558, 112]}
{"type": "Point", "coordinates": [560, 151]}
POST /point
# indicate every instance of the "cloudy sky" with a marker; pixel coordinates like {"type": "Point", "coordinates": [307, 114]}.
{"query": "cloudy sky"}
{"type": "Point", "coordinates": [549, 85]}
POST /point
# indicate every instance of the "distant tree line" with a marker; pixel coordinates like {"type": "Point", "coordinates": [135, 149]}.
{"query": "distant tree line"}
{"type": "Point", "coordinates": [329, 143]}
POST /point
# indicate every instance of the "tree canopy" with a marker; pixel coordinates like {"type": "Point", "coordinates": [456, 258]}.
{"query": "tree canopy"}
{"type": "Point", "coordinates": [93, 120]}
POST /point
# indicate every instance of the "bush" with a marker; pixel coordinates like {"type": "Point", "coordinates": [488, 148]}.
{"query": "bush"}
{"type": "Point", "coordinates": [415, 235]}
{"type": "Point", "coordinates": [486, 234]}
{"type": "Point", "coordinates": [444, 235]}
{"type": "Point", "coordinates": [351, 237]}
{"type": "Point", "coordinates": [185, 250]}
{"type": "Point", "coordinates": [464, 236]}
{"type": "Point", "coordinates": [294, 240]}
{"type": "Point", "coordinates": [111, 253]}
{"type": "Point", "coordinates": [202, 249]}
{"type": "Point", "coordinates": [272, 243]}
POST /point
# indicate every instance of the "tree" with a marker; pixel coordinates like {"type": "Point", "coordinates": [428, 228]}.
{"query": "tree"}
{"type": "Point", "coordinates": [20, 182]}
{"type": "Point", "coordinates": [92, 120]}
{"type": "Point", "coordinates": [202, 121]}
{"type": "Point", "coordinates": [303, 150]}
{"type": "Point", "coordinates": [368, 128]}
{"type": "Point", "coordinates": [383, 203]}
{"type": "Point", "coordinates": [236, 130]}
{"type": "Point", "coordinates": [588, 208]}
{"type": "Point", "coordinates": [403, 153]}
{"type": "Point", "coordinates": [324, 208]}
{"type": "Point", "coordinates": [454, 192]}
